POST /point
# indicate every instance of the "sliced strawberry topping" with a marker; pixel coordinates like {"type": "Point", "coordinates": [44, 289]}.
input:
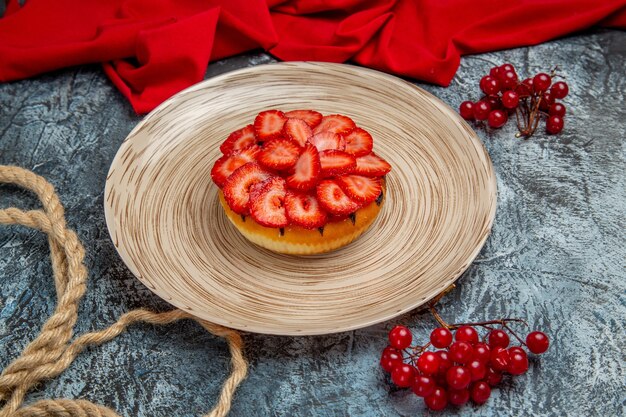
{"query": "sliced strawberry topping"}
{"type": "Point", "coordinates": [359, 142]}
{"type": "Point", "coordinates": [238, 186]}
{"type": "Point", "coordinates": [372, 165]}
{"type": "Point", "coordinates": [297, 130]}
{"type": "Point", "coordinates": [336, 162]}
{"type": "Point", "coordinates": [267, 206]}
{"type": "Point", "coordinates": [269, 124]}
{"type": "Point", "coordinates": [335, 123]}
{"type": "Point", "coordinates": [279, 154]}
{"type": "Point", "coordinates": [227, 164]}
{"type": "Point", "coordinates": [359, 188]}
{"type": "Point", "coordinates": [304, 210]}
{"type": "Point", "coordinates": [328, 140]}
{"type": "Point", "coordinates": [306, 171]}
{"type": "Point", "coordinates": [332, 198]}
{"type": "Point", "coordinates": [311, 117]}
{"type": "Point", "coordinates": [239, 139]}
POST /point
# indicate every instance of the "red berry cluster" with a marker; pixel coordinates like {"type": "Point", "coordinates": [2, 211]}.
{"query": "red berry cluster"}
{"type": "Point", "coordinates": [463, 368]}
{"type": "Point", "coordinates": [529, 99]}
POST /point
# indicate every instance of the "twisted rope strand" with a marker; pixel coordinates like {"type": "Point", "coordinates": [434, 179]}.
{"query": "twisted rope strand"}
{"type": "Point", "coordinates": [51, 352]}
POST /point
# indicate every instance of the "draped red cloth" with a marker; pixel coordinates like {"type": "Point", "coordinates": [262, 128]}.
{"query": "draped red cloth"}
{"type": "Point", "coordinates": [153, 48]}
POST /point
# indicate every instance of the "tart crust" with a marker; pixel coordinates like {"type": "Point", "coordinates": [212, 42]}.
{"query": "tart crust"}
{"type": "Point", "coordinates": [296, 240]}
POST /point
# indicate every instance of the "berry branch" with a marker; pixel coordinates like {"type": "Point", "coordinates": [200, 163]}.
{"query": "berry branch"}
{"type": "Point", "coordinates": [532, 100]}
{"type": "Point", "coordinates": [468, 367]}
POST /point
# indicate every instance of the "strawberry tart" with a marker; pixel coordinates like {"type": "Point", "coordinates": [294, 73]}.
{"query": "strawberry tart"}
{"type": "Point", "coordinates": [299, 182]}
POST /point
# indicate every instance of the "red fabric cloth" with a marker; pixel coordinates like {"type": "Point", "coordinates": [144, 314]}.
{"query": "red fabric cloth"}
{"type": "Point", "coordinates": [153, 48]}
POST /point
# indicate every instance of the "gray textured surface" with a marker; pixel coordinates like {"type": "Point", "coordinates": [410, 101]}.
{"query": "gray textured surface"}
{"type": "Point", "coordinates": [556, 256]}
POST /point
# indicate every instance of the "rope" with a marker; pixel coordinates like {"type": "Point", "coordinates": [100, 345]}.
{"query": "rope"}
{"type": "Point", "coordinates": [51, 352]}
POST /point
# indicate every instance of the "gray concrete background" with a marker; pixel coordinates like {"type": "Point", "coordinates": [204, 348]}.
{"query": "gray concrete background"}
{"type": "Point", "coordinates": [556, 257]}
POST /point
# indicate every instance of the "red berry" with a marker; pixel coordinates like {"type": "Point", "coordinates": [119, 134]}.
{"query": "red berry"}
{"type": "Point", "coordinates": [514, 349]}
{"type": "Point", "coordinates": [359, 142]}
{"type": "Point", "coordinates": [477, 369]}
{"type": "Point", "coordinates": [499, 359]}
{"type": "Point", "coordinates": [498, 338]}
{"type": "Point", "coordinates": [557, 109]}
{"type": "Point", "coordinates": [481, 110]}
{"type": "Point", "coordinates": [537, 342]}
{"type": "Point", "coordinates": [371, 165]}
{"type": "Point", "coordinates": [403, 375]}
{"type": "Point", "coordinates": [494, 102]}
{"type": "Point", "coordinates": [466, 110]}
{"type": "Point", "coordinates": [541, 82]}
{"type": "Point", "coordinates": [510, 99]}
{"type": "Point", "coordinates": [494, 71]}
{"type": "Point", "coordinates": [335, 123]}
{"type": "Point", "coordinates": [304, 210]}
{"type": "Point", "coordinates": [445, 362]}
{"type": "Point", "coordinates": [458, 377]}
{"type": "Point", "coordinates": [423, 385]}
{"type": "Point", "coordinates": [461, 352]}
{"type": "Point", "coordinates": [492, 377]}
{"type": "Point", "coordinates": [559, 90]}
{"type": "Point", "coordinates": [546, 101]}
{"type": "Point", "coordinates": [269, 124]}
{"type": "Point", "coordinates": [267, 203]}
{"type": "Point", "coordinates": [390, 358]}
{"type": "Point", "coordinates": [480, 392]}
{"type": "Point", "coordinates": [481, 352]}
{"type": "Point", "coordinates": [458, 396]}
{"type": "Point", "coordinates": [466, 334]}
{"type": "Point", "coordinates": [554, 125]}
{"type": "Point", "coordinates": [519, 361]}
{"type": "Point", "coordinates": [400, 337]}
{"type": "Point", "coordinates": [489, 85]}
{"type": "Point", "coordinates": [311, 117]}
{"type": "Point", "coordinates": [328, 140]}
{"type": "Point", "coordinates": [507, 67]}
{"type": "Point", "coordinates": [441, 337]}
{"type": "Point", "coordinates": [428, 363]}
{"type": "Point", "coordinates": [497, 119]}
{"type": "Point", "coordinates": [238, 186]}
{"type": "Point", "coordinates": [508, 80]}
{"type": "Point", "coordinates": [525, 88]}
{"type": "Point", "coordinates": [361, 189]}
{"type": "Point", "coordinates": [438, 400]}
{"type": "Point", "coordinates": [306, 171]}
{"type": "Point", "coordinates": [239, 139]}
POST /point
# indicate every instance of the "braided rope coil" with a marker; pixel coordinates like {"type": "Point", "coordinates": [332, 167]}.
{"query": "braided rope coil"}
{"type": "Point", "coordinates": [52, 351]}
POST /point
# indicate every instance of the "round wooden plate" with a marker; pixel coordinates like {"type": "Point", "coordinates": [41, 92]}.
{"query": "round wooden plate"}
{"type": "Point", "coordinates": [164, 217]}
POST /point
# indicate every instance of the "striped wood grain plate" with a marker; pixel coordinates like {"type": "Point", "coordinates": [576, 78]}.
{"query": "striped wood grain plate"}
{"type": "Point", "coordinates": [164, 217]}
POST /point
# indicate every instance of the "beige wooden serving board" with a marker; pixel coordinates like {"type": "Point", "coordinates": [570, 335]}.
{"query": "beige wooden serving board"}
{"type": "Point", "coordinates": [165, 220]}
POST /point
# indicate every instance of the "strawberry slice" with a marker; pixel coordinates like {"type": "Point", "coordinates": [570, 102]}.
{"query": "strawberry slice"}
{"type": "Point", "coordinates": [335, 123]}
{"type": "Point", "coordinates": [297, 130]}
{"type": "Point", "coordinates": [372, 165]}
{"type": "Point", "coordinates": [328, 140]}
{"type": "Point", "coordinates": [267, 206]}
{"type": "Point", "coordinates": [227, 164]}
{"type": "Point", "coordinates": [306, 171]}
{"type": "Point", "coordinates": [279, 154]}
{"type": "Point", "coordinates": [336, 162]}
{"type": "Point", "coordinates": [359, 188]}
{"type": "Point", "coordinates": [304, 210]}
{"type": "Point", "coordinates": [359, 142]}
{"type": "Point", "coordinates": [238, 186]}
{"type": "Point", "coordinates": [311, 117]}
{"type": "Point", "coordinates": [269, 124]}
{"type": "Point", "coordinates": [239, 139]}
{"type": "Point", "coordinates": [332, 198]}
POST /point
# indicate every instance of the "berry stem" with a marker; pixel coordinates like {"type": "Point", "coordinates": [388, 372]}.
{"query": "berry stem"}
{"type": "Point", "coordinates": [515, 334]}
